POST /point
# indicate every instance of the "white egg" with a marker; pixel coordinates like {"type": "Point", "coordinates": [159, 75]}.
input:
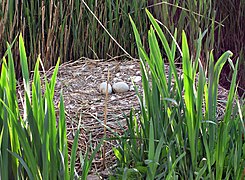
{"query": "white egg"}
{"type": "Point", "coordinates": [103, 88]}
{"type": "Point", "coordinates": [120, 87]}
{"type": "Point", "coordinates": [136, 79]}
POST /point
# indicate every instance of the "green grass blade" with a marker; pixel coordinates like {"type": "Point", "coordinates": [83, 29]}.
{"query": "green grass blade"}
{"type": "Point", "coordinates": [30, 159]}
{"type": "Point", "coordinates": [62, 136]}
{"type": "Point", "coordinates": [157, 62]}
{"type": "Point", "coordinates": [88, 162]}
{"type": "Point", "coordinates": [4, 122]}
{"type": "Point", "coordinates": [46, 144]}
{"type": "Point", "coordinates": [24, 65]}
{"type": "Point", "coordinates": [188, 96]}
{"type": "Point", "coordinates": [151, 153]}
{"type": "Point", "coordinates": [52, 132]}
{"type": "Point", "coordinates": [28, 171]}
{"type": "Point", "coordinates": [5, 143]}
{"type": "Point", "coordinates": [170, 53]}
{"type": "Point", "coordinates": [53, 79]}
{"type": "Point", "coordinates": [160, 34]}
{"type": "Point", "coordinates": [73, 153]}
{"type": "Point", "coordinates": [223, 137]}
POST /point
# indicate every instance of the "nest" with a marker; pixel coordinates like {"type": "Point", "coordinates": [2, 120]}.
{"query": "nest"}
{"type": "Point", "coordinates": [79, 81]}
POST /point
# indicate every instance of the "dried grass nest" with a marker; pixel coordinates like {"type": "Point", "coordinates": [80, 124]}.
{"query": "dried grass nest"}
{"type": "Point", "coordinates": [79, 81]}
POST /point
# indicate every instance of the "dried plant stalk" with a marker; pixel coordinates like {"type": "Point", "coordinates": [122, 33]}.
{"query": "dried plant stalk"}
{"type": "Point", "coordinates": [105, 117]}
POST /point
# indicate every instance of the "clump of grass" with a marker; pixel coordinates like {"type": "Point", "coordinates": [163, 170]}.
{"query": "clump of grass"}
{"type": "Point", "coordinates": [33, 143]}
{"type": "Point", "coordinates": [179, 134]}
{"type": "Point", "coordinates": [67, 29]}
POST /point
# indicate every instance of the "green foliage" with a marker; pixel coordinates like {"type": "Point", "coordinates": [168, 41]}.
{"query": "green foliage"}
{"type": "Point", "coordinates": [33, 141]}
{"type": "Point", "coordinates": [180, 135]}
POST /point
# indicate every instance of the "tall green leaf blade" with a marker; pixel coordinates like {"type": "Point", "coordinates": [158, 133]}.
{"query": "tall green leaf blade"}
{"type": "Point", "coordinates": [34, 131]}
{"type": "Point", "coordinates": [223, 137]}
{"type": "Point", "coordinates": [53, 79]}
{"type": "Point", "coordinates": [24, 65]}
{"type": "Point", "coordinates": [11, 96]}
{"type": "Point", "coordinates": [5, 143]}
{"type": "Point", "coordinates": [46, 143]}
{"type": "Point", "coordinates": [88, 162]}
{"type": "Point", "coordinates": [36, 97]}
{"type": "Point", "coordinates": [4, 121]}
{"type": "Point", "coordinates": [211, 101]}
{"type": "Point", "coordinates": [52, 132]}
{"type": "Point", "coordinates": [73, 153]}
{"type": "Point", "coordinates": [188, 96]}
{"type": "Point", "coordinates": [62, 136]}
{"type": "Point", "coordinates": [28, 171]}
{"type": "Point", "coordinates": [151, 152]}
{"type": "Point", "coordinates": [157, 62]}
{"type": "Point", "coordinates": [30, 159]}
{"type": "Point", "coordinates": [160, 34]}
{"type": "Point", "coordinates": [170, 53]}
{"type": "Point", "coordinates": [24, 141]}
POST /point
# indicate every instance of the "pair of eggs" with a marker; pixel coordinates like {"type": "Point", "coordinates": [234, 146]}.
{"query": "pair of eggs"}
{"type": "Point", "coordinates": [118, 87]}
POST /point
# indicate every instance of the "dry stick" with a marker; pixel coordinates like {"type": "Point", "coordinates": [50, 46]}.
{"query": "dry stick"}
{"type": "Point", "coordinates": [105, 116]}
{"type": "Point", "coordinates": [184, 9]}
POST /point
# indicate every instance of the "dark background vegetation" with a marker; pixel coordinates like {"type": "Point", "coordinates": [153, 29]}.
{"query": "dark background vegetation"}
{"type": "Point", "coordinates": [68, 30]}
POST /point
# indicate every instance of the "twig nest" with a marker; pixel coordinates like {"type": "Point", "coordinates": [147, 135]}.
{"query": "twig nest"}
{"type": "Point", "coordinates": [103, 88]}
{"type": "Point", "coordinates": [120, 87]}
